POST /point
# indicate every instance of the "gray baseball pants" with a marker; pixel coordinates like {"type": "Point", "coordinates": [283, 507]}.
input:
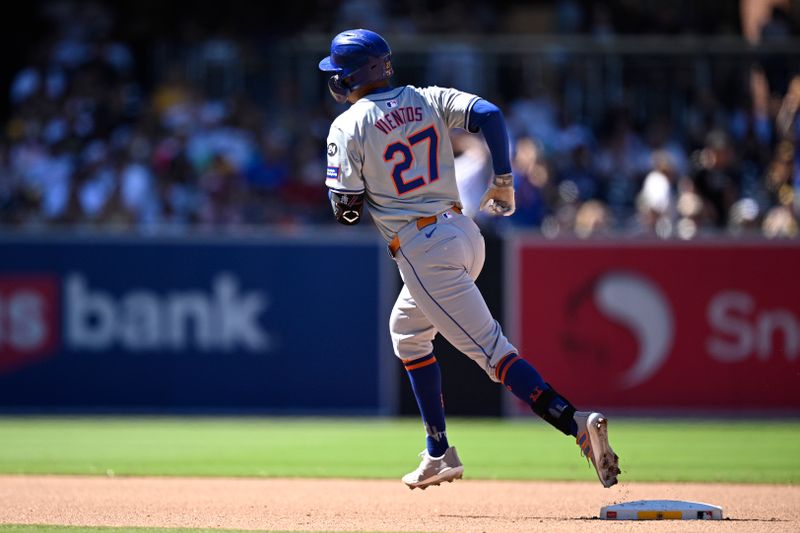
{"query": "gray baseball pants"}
{"type": "Point", "coordinates": [439, 264]}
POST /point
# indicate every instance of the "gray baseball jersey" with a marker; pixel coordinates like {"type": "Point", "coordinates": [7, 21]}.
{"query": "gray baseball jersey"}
{"type": "Point", "coordinates": [394, 145]}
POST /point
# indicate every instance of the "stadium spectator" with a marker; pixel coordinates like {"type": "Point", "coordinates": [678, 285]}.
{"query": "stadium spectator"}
{"type": "Point", "coordinates": [780, 222]}
{"type": "Point", "coordinates": [716, 177]}
{"type": "Point", "coordinates": [745, 218]}
{"type": "Point", "coordinates": [592, 220]}
{"type": "Point", "coordinates": [657, 200]}
{"type": "Point", "coordinates": [533, 183]}
{"type": "Point", "coordinates": [621, 162]}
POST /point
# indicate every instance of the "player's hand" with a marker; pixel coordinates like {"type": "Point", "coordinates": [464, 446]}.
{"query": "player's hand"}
{"type": "Point", "coordinates": [499, 197]}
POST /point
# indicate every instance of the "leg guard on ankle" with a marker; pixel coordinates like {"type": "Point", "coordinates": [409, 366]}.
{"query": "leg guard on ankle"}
{"type": "Point", "coordinates": [553, 408]}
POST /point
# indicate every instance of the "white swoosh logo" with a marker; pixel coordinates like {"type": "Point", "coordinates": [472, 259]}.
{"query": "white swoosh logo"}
{"type": "Point", "coordinates": [638, 304]}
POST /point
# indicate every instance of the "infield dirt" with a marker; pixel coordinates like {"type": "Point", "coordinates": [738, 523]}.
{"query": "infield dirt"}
{"type": "Point", "coordinates": [377, 505]}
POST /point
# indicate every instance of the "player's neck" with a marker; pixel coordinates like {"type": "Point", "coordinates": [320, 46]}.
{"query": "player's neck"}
{"type": "Point", "coordinates": [358, 94]}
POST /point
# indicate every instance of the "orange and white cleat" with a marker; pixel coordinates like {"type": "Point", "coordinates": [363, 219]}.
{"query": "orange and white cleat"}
{"type": "Point", "coordinates": [593, 441]}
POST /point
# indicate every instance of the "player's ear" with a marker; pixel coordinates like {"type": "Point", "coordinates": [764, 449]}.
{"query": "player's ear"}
{"type": "Point", "coordinates": [338, 89]}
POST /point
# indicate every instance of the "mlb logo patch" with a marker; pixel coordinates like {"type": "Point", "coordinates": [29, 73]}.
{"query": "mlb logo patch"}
{"type": "Point", "coordinates": [391, 103]}
{"type": "Point", "coordinates": [332, 173]}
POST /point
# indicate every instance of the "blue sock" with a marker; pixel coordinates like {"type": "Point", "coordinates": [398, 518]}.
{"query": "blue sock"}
{"type": "Point", "coordinates": [524, 382]}
{"type": "Point", "coordinates": [426, 382]}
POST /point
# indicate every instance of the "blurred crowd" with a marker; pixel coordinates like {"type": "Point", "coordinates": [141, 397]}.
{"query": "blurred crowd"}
{"type": "Point", "coordinates": [86, 144]}
{"type": "Point", "coordinates": [735, 172]}
{"type": "Point", "coordinates": [89, 141]}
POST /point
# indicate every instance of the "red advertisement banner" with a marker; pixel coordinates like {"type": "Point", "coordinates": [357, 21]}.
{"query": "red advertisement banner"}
{"type": "Point", "coordinates": [683, 327]}
{"type": "Point", "coordinates": [29, 309]}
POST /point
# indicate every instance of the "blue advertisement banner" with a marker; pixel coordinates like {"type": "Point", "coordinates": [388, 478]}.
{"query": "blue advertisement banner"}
{"type": "Point", "coordinates": [287, 324]}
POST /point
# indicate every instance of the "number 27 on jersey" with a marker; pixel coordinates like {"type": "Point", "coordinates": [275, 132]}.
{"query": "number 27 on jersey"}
{"type": "Point", "coordinates": [401, 154]}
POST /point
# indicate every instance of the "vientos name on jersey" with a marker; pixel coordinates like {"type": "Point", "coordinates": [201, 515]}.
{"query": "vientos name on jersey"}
{"type": "Point", "coordinates": [398, 117]}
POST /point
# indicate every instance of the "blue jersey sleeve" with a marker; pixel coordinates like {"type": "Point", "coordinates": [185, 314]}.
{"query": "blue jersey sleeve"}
{"type": "Point", "coordinates": [487, 118]}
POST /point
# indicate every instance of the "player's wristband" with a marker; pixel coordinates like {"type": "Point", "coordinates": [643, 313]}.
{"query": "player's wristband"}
{"type": "Point", "coordinates": [503, 180]}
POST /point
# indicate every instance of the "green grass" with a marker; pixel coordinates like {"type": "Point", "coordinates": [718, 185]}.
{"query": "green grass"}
{"type": "Point", "coordinates": [704, 451]}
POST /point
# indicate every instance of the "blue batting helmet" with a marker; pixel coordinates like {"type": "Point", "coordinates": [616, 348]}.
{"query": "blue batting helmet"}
{"type": "Point", "coordinates": [357, 57]}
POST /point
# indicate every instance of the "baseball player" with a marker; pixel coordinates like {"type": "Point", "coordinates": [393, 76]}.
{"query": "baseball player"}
{"type": "Point", "coordinates": [391, 150]}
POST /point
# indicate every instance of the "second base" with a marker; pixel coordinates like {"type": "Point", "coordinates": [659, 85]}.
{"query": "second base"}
{"type": "Point", "coordinates": [661, 510]}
